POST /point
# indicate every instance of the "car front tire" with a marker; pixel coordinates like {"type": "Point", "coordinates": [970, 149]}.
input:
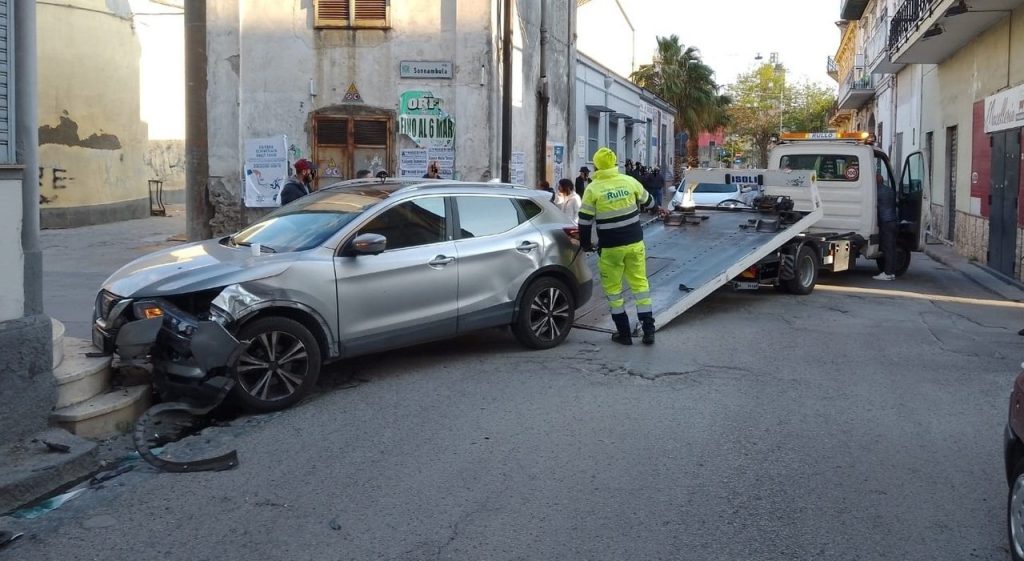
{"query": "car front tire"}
{"type": "Point", "coordinates": [279, 366]}
{"type": "Point", "coordinates": [546, 313]}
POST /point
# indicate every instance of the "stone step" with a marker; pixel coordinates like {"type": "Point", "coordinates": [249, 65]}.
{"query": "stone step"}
{"type": "Point", "coordinates": [104, 415]}
{"type": "Point", "coordinates": [58, 342]}
{"type": "Point", "coordinates": [80, 377]}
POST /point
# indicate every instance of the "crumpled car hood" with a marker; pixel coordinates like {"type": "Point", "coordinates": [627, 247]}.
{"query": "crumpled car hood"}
{"type": "Point", "coordinates": [193, 267]}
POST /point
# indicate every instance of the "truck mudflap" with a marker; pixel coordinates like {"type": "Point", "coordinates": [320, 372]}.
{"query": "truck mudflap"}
{"type": "Point", "coordinates": [686, 263]}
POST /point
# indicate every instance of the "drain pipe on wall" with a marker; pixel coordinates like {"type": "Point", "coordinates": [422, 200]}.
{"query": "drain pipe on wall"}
{"type": "Point", "coordinates": [543, 98]}
{"type": "Point", "coordinates": [506, 91]}
{"type": "Point", "coordinates": [570, 125]}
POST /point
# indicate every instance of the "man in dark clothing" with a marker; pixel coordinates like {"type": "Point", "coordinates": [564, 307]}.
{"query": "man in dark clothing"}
{"type": "Point", "coordinates": [887, 226]}
{"type": "Point", "coordinates": [298, 184]}
{"type": "Point", "coordinates": [582, 180]}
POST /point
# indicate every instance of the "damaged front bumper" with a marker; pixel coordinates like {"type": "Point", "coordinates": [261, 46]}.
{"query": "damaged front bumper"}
{"type": "Point", "coordinates": [183, 350]}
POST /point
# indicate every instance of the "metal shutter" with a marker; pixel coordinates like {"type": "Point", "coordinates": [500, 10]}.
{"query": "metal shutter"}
{"type": "Point", "coordinates": [6, 84]}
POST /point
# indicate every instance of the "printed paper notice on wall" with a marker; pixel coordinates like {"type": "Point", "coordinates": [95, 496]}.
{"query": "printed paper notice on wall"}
{"type": "Point", "coordinates": [517, 167]}
{"type": "Point", "coordinates": [266, 171]}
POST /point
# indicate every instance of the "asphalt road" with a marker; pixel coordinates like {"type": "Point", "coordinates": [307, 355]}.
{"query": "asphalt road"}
{"type": "Point", "coordinates": [843, 425]}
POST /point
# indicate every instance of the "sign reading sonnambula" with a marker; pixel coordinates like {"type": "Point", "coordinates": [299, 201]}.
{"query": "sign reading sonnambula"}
{"type": "Point", "coordinates": [425, 69]}
{"type": "Point", "coordinates": [422, 117]}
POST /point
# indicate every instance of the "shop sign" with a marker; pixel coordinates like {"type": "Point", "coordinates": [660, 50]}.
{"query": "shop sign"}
{"type": "Point", "coordinates": [1005, 110]}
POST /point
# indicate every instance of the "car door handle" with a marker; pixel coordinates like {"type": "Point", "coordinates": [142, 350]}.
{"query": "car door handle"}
{"type": "Point", "coordinates": [527, 247]}
{"type": "Point", "coordinates": [440, 261]}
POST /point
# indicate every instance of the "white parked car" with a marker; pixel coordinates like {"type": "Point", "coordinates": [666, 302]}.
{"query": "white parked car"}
{"type": "Point", "coordinates": [714, 194]}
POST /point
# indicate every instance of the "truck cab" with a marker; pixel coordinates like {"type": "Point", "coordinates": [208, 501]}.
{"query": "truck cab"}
{"type": "Point", "coordinates": [848, 168]}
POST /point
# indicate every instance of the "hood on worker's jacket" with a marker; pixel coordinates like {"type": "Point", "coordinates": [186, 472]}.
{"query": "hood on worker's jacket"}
{"type": "Point", "coordinates": [604, 159]}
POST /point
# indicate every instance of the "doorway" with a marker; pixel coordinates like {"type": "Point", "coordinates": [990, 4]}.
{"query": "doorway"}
{"type": "Point", "coordinates": [1003, 201]}
{"type": "Point", "coordinates": [343, 145]}
{"type": "Point", "coordinates": [951, 152]}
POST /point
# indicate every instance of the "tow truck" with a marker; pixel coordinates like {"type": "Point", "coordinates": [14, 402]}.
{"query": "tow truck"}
{"type": "Point", "coordinates": [815, 211]}
{"type": "Point", "coordinates": [696, 250]}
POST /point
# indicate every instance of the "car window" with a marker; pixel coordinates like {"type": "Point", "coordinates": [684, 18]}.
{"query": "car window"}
{"type": "Point", "coordinates": [715, 188]}
{"type": "Point", "coordinates": [828, 167]}
{"type": "Point", "coordinates": [530, 208]}
{"type": "Point", "coordinates": [485, 216]}
{"type": "Point", "coordinates": [308, 222]}
{"type": "Point", "coordinates": [411, 223]}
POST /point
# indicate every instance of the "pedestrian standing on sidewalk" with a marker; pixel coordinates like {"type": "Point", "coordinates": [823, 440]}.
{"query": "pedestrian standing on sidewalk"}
{"type": "Point", "coordinates": [613, 202]}
{"type": "Point", "coordinates": [567, 200]}
{"type": "Point", "coordinates": [582, 180]}
{"type": "Point", "coordinates": [887, 225]}
{"type": "Point", "coordinates": [298, 184]}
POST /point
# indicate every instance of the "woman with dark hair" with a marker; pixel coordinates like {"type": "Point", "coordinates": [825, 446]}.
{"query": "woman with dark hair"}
{"type": "Point", "coordinates": [567, 200]}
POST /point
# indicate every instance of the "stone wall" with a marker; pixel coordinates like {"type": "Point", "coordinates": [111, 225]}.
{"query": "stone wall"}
{"type": "Point", "coordinates": [971, 237]}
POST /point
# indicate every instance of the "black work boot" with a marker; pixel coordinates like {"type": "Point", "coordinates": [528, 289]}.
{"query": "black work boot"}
{"type": "Point", "coordinates": [647, 324]}
{"type": "Point", "coordinates": [623, 335]}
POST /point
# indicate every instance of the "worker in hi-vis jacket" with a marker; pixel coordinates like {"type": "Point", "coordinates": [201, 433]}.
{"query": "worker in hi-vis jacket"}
{"type": "Point", "coordinates": [613, 202]}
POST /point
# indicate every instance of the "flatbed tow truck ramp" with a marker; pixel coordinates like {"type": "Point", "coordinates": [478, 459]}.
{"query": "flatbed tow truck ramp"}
{"type": "Point", "coordinates": [690, 255]}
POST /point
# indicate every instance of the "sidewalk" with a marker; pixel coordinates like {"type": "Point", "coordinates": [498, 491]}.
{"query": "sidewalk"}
{"type": "Point", "coordinates": [977, 273]}
{"type": "Point", "coordinates": [76, 261]}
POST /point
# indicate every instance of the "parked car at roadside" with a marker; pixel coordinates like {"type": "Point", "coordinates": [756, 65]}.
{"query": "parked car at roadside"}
{"type": "Point", "coordinates": [1013, 454]}
{"type": "Point", "coordinates": [356, 268]}
{"type": "Point", "coordinates": [714, 194]}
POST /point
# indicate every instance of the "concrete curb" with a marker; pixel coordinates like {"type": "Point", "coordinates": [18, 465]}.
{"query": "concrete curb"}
{"type": "Point", "coordinates": [30, 469]}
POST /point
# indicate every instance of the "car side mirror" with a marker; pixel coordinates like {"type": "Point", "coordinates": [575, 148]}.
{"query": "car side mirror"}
{"type": "Point", "coordinates": [367, 244]}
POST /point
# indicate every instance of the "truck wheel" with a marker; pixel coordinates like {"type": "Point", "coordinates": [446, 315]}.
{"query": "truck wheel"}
{"type": "Point", "coordinates": [546, 313]}
{"type": "Point", "coordinates": [902, 260]}
{"type": "Point", "coordinates": [279, 367]}
{"type": "Point", "coordinates": [805, 273]}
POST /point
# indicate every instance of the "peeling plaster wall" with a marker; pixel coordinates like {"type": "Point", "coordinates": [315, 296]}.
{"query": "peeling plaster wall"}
{"type": "Point", "coordinates": [265, 56]}
{"type": "Point", "coordinates": [92, 140]}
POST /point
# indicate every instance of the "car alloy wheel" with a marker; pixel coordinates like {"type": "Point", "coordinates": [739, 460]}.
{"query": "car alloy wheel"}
{"type": "Point", "coordinates": [279, 365]}
{"type": "Point", "coordinates": [549, 314]}
{"type": "Point", "coordinates": [273, 366]}
{"type": "Point", "coordinates": [546, 312]}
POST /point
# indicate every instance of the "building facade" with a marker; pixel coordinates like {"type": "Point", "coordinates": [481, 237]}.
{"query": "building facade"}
{"type": "Point", "coordinates": [614, 112]}
{"type": "Point", "coordinates": [92, 140]}
{"type": "Point", "coordinates": [946, 78]}
{"type": "Point", "coordinates": [384, 86]}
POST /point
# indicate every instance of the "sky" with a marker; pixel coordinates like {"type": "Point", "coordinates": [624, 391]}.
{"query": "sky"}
{"type": "Point", "coordinates": [730, 33]}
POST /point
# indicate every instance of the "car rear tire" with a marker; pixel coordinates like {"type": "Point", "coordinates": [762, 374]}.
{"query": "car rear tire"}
{"type": "Point", "coordinates": [279, 366]}
{"type": "Point", "coordinates": [805, 273]}
{"type": "Point", "coordinates": [546, 313]}
{"type": "Point", "coordinates": [1015, 514]}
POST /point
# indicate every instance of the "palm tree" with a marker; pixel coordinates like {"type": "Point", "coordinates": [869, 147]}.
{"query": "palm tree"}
{"type": "Point", "coordinates": [679, 76]}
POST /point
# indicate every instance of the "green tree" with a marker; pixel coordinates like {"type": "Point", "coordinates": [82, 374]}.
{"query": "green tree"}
{"type": "Point", "coordinates": [679, 76]}
{"type": "Point", "coordinates": [759, 104]}
{"type": "Point", "coordinates": [765, 105]}
{"type": "Point", "coordinates": [810, 104]}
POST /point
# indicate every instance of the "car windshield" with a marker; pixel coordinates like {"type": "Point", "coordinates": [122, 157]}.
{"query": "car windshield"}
{"type": "Point", "coordinates": [828, 167]}
{"type": "Point", "coordinates": [310, 221]}
{"type": "Point", "coordinates": [715, 188]}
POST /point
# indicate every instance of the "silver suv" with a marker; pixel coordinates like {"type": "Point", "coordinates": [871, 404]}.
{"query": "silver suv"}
{"type": "Point", "coordinates": [356, 268]}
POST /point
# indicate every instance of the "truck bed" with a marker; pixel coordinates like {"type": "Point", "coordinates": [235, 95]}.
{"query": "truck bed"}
{"type": "Point", "coordinates": [686, 263]}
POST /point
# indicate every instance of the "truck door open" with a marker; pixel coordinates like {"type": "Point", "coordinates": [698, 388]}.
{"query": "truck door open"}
{"type": "Point", "coordinates": [912, 199]}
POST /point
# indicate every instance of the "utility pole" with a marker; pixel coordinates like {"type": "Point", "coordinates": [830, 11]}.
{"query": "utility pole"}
{"type": "Point", "coordinates": [197, 164]}
{"type": "Point", "coordinates": [543, 98]}
{"type": "Point", "coordinates": [506, 91]}
{"type": "Point", "coordinates": [26, 134]}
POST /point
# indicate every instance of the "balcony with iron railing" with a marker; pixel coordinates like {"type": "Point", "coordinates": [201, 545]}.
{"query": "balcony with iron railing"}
{"type": "Point", "coordinates": [876, 48]}
{"type": "Point", "coordinates": [832, 68]}
{"type": "Point", "coordinates": [856, 89]}
{"type": "Point", "coordinates": [930, 31]}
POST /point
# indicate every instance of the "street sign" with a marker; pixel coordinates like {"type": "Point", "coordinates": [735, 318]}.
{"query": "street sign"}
{"type": "Point", "coordinates": [425, 69]}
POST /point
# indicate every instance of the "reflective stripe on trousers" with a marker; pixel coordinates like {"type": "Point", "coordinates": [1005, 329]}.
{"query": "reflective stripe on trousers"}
{"type": "Point", "coordinates": [629, 261]}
